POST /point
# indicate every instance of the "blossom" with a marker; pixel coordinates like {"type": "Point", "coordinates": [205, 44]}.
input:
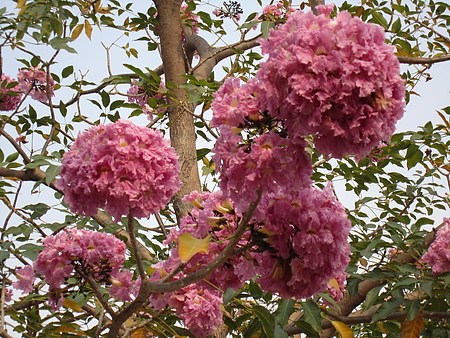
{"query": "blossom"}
{"type": "Point", "coordinates": [438, 254]}
{"type": "Point", "coordinates": [265, 163]}
{"type": "Point", "coordinates": [199, 308]}
{"type": "Point", "coordinates": [140, 95]}
{"type": "Point", "coordinates": [214, 215]}
{"type": "Point", "coordinates": [304, 244]}
{"type": "Point", "coordinates": [335, 78]}
{"type": "Point", "coordinates": [122, 285]}
{"type": "Point", "coordinates": [25, 278]}
{"type": "Point", "coordinates": [121, 167]}
{"type": "Point", "coordinates": [10, 94]}
{"type": "Point", "coordinates": [96, 254]}
{"type": "Point", "coordinates": [38, 83]}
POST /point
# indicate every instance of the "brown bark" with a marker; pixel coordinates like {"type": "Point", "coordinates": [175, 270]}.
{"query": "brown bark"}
{"type": "Point", "coordinates": [181, 123]}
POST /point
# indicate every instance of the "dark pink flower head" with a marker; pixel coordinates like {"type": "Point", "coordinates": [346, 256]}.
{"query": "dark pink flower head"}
{"type": "Point", "coordinates": [234, 102]}
{"type": "Point", "coordinates": [264, 163]}
{"type": "Point", "coordinates": [438, 254]}
{"type": "Point", "coordinates": [334, 78]}
{"type": "Point", "coordinates": [140, 96]}
{"type": "Point", "coordinates": [25, 278]}
{"type": "Point", "coordinates": [97, 254]}
{"type": "Point", "coordinates": [200, 309]}
{"type": "Point", "coordinates": [307, 233]}
{"type": "Point", "coordinates": [34, 81]}
{"type": "Point", "coordinates": [120, 167]}
{"type": "Point", "coordinates": [10, 93]}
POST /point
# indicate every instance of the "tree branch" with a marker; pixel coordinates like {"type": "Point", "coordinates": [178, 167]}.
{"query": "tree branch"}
{"type": "Point", "coordinates": [422, 61]}
{"type": "Point", "coordinates": [148, 287]}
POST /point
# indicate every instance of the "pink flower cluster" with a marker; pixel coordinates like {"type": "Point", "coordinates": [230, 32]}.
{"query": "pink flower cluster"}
{"type": "Point", "coordinates": [253, 152]}
{"type": "Point", "coordinates": [25, 278]}
{"type": "Point", "coordinates": [140, 96]}
{"type": "Point", "coordinates": [189, 19]}
{"type": "Point", "coordinates": [79, 253]}
{"type": "Point", "coordinates": [276, 12]}
{"type": "Point", "coordinates": [199, 304]}
{"type": "Point", "coordinates": [306, 237]}
{"type": "Point", "coordinates": [121, 167]}
{"type": "Point", "coordinates": [10, 94]}
{"type": "Point", "coordinates": [336, 79]}
{"type": "Point", "coordinates": [438, 254]}
{"type": "Point", "coordinates": [296, 244]}
{"type": "Point", "coordinates": [98, 254]}
{"type": "Point", "coordinates": [35, 82]}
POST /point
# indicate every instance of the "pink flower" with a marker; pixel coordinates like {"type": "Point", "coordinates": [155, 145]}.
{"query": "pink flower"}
{"type": "Point", "coordinates": [25, 278]}
{"type": "Point", "coordinates": [122, 285]}
{"type": "Point", "coordinates": [10, 94]}
{"type": "Point", "coordinates": [139, 95]}
{"type": "Point", "coordinates": [305, 242]}
{"type": "Point", "coordinates": [438, 254]}
{"type": "Point", "coordinates": [264, 163]}
{"type": "Point", "coordinates": [336, 79]}
{"type": "Point", "coordinates": [199, 308]}
{"type": "Point", "coordinates": [214, 215]}
{"type": "Point", "coordinates": [97, 254]}
{"type": "Point", "coordinates": [121, 167]}
{"type": "Point", "coordinates": [34, 82]}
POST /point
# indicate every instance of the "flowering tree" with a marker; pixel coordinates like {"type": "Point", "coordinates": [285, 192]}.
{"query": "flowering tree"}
{"type": "Point", "coordinates": [125, 240]}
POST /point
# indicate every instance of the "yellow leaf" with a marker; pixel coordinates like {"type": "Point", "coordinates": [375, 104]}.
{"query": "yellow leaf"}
{"type": "Point", "coordinates": [21, 4]}
{"type": "Point", "coordinates": [443, 118]}
{"type": "Point", "coordinates": [104, 10]}
{"type": "Point", "coordinates": [88, 29]}
{"type": "Point", "coordinates": [343, 329]}
{"type": "Point", "coordinates": [77, 31]}
{"type": "Point", "coordinates": [188, 246]}
{"type": "Point", "coordinates": [139, 333]}
{"type": "Point", "coordinates": [381, 327]}
{"type": "Point", "coordinates": [70, 304]}
{"type": "Point", "coordinates": [334, 283]}
{"type": "Point", "coordinates": [69, 329]}
{"type": "Point", "coordinates": [412, 328]}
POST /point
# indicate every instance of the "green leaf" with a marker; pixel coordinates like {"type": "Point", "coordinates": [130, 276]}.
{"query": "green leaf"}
{"type": "Point", "coordinates": [427, 287]}
{"type": "Point", "coordinates": [38, 209]}
{"type": "Point", "coordinates": [228, 295]}
{"type": "Point", "coordinates": [265, 28]}
{"type": "Point", "coordinates": [105, 98]}
{"type": "Point", "coordinates": [137, 71]}
{"type": "Point", "coordinates": [30, 250]}
{"type": "Point", "coordinates": [266, 319]}
{"type": "Point", "coordinates": [387, 308]}
{"type": "Point", "coordinates": [284, 311]}
{"type": "Point", "coordinates": [202, 153]}
{"type": "Point", "coordinates": [62, 109]}
{"type": "Point", "coordinates": [396, 26]}
{"type": "Point", "coordinates": [412, 309]}
{"type": "Point", "coordinates": [378, 18]}
{"type": "Point", "coordinates": [51, 172]}
{"type": "Point", "coordinates": [312, 314]}
{"type": "Point", "coordinates": [66, 72]}
{"type": "Point", "coordinates": [12, 157]}
{"type": "Point", "coordinates": [371, 297]}
{"type": "Point", "coordinates": [61, 43]}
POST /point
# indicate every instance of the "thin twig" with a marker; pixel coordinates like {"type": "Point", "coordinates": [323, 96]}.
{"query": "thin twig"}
{"type": "Point", "coordinates": [136, 253]}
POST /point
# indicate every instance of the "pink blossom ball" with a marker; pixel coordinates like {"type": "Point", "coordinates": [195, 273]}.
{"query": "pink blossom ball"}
{"type": "Point", "coordinates": [334, 78]}
{"type": "Point", "coordinates": [438, 254]}
{"type": "Point", "coordinates": [10, 94]}
{"type": "Point", "coordinates": [120, 167]}
{"type": "Point", "coordinates": [307, 233]}
{"type": "Point", "coordinates": [99, 254]}
{"type": "Point", "coordinates": [34, 82]}
{"type": "Point", "coordinates": [264, 163]}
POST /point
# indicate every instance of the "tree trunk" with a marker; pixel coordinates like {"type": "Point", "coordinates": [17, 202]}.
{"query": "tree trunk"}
{"type": "Point", "coordinates": [181, 122]}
